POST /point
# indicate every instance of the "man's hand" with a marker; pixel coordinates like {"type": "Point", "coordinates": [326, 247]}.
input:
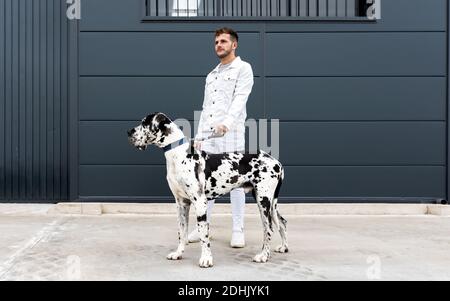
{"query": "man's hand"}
{"type": "Point", "coordinates": [221, 129]}
{"type": "Point", "coordinates": [198, 145]}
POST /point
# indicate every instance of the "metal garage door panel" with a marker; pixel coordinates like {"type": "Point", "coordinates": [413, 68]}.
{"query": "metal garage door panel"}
{"type": "Point", "coordinates": [356, 98]}
{"type": "Point", "coordinates": [300, 182]}
{"type": "Point", "coordinates": [356, 54]}
{"type": "Point", "coordinates": [362, 143]}
{"type": "Point", "coordinates": [157, 53]}
{"type": "Point", "coordinates": [131, 98]}
{"type": "Point", "coordinates": [105, 143]}
{"type": "Point", "coordinates": [301, 143]}
{"type": "Point", "coordinates": [363, 182]}
{"type": "Point", "coordinates": [135, 181]}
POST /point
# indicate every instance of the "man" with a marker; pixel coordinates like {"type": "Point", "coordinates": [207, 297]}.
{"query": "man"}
{"type": "Point", "coordinates": [227, 89]}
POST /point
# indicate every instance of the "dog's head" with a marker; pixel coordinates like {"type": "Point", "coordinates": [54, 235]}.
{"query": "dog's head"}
{"type": "Point", "coordinates": [153, 129]}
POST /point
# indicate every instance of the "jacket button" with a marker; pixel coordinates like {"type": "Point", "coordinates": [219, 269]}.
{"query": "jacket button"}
{"type": "Point", "coordinates": [214, 102]}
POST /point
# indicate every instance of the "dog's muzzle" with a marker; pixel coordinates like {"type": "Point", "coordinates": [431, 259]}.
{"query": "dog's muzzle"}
{"type": "Point", "coordinates": [131, 132]}
{"type": "Point", "coordinates": [132, 140]}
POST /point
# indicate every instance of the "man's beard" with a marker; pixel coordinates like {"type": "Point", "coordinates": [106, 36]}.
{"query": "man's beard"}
{"type": "Point", "coordinates": [225, 54]}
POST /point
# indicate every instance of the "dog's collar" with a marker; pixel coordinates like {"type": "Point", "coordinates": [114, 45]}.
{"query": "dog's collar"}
{"type": "Point", "coordinates": [175, 144]}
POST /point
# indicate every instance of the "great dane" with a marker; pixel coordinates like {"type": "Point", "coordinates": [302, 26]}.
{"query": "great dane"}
{"type": "Point", "coordinates": [195, 177]}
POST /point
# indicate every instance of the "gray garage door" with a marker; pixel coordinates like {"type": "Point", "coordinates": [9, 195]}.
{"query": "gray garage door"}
{"type": "Point", "coordinates": [362, 104]}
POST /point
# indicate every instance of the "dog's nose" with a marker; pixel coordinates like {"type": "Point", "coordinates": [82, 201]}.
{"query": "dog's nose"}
{"type": "Point", "coordinates": [131, 132]}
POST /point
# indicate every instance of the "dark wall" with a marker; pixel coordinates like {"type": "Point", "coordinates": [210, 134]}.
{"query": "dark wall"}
{"type": "Point", "coordinates": [362, 104]}
{"type": "Point", "coordinates": [34, 100]}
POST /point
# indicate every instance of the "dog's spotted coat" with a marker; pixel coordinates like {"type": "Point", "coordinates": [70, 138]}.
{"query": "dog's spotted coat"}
{"type": "Point", "coordinates": [195, 177]}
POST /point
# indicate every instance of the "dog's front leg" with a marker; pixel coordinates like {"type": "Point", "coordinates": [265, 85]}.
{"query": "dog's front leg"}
{"type": "Point", "coordinates": [183, 221]}
{"type": "Point", "coordinates": [206, 259]}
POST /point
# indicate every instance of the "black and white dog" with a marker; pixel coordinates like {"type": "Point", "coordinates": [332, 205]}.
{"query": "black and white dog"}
{"type": "Point", "coordinates": [195, 177]}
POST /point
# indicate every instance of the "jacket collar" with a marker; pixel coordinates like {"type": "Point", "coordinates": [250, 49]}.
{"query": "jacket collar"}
{"type": "Point", "coordinates": [234, 64]}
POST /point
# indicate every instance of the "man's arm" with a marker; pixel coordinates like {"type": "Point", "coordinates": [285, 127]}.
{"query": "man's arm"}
{"type": "Point", "coordinates": [241, 93]}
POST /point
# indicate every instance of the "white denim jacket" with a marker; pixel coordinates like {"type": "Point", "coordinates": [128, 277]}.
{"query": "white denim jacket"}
{"type": "Point", "coordinates": [225, 100]}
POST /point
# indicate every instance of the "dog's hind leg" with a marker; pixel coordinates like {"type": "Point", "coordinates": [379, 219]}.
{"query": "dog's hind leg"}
{"type": "Point", "coordinates": [279, 221]}
{"type": "Point", "coordinates": [183, 221]}
{"type": "Point", "coordinates": [265, 209]}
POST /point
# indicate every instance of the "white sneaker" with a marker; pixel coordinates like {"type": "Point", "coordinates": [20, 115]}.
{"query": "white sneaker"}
{"type": "Point", "coordinates": [237, 239]}
{"type": "Point", "coordinates": [194, 236]}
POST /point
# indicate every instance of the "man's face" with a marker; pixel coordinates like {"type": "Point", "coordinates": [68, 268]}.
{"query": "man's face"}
{"type": "Point", "coordinates": [224, 45]}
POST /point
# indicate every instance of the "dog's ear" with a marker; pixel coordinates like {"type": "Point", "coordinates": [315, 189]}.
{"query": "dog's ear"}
{"type": "Point", "coordinates": [163, 123]}
{"type": "Point", "coordinates": [148, 120]}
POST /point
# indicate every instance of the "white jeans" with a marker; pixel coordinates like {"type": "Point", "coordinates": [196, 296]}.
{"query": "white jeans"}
{"type": "Point", "coordinates": [237, 198]}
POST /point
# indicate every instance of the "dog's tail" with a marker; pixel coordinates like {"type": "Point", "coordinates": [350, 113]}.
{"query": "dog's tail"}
{"type": "Point", "coordinates": [280, 181]}
{"type": "Point", "coordinates": [279, 221]}
{"type": "Point", "coordinates": [275, 198]}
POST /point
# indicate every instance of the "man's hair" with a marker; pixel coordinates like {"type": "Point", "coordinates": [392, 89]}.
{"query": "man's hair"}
{"type": "Point", "coordinates": [233, 35]}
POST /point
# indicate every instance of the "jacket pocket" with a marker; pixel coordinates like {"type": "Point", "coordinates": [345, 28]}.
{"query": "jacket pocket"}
{"type": "Point", "coordinates": [229, 83]}
{"type": "Point", "coordinates": [231, 76]}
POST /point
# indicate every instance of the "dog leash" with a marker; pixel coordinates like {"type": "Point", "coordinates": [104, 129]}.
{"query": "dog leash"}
{"type": "Point", "coordinates": [184, 140]}
{"type": "Point", "coordinates": [211, 136]}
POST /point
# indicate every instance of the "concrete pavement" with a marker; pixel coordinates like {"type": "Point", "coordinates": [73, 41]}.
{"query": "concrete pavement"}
{"type": "Point", "coordinates": [35, 245]}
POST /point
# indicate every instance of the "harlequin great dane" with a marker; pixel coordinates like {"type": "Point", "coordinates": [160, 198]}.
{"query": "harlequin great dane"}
{"type": "Point", "coordinates": [195, 177]}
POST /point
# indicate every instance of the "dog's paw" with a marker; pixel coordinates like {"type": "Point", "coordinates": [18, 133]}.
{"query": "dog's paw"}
{"type": "Point", "coordinates": [205, 261]}
{"type": "Point", "coordinates": [261, 257]}
{"type": "Point", "coordinates": [282, 249]}
{"type": "Point", "coordinates": [175, 256]}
